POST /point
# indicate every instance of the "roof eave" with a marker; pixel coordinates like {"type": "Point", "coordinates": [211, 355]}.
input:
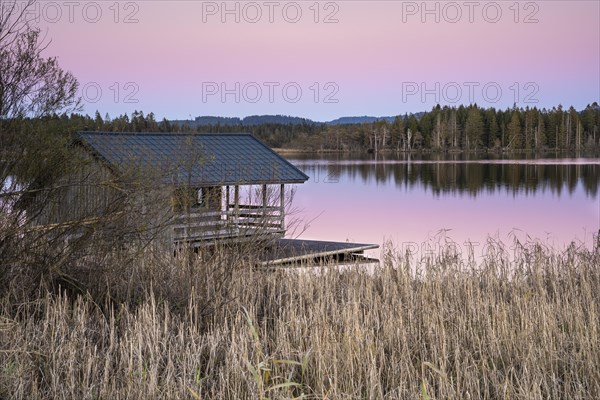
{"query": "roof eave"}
{"type": "Point", "coordinates": [247, 183]}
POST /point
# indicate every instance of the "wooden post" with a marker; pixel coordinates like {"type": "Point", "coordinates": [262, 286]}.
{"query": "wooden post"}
{"type": "Point", "coordinates": [236, 199]}
{"type": "Point", "coordinates": [264, 201]}
{"type": "Point", "coordinates": [282, 206]}
{"type": "Point", "coordinates": [227, 202]}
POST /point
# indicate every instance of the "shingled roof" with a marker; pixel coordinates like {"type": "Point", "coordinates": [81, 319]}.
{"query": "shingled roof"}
{"type": "Point", "coordinates": [195, 159]}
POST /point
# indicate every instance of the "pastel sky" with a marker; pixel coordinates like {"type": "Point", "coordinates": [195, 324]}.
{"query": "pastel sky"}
{"type": "Point", "coordinates": [324, 60]}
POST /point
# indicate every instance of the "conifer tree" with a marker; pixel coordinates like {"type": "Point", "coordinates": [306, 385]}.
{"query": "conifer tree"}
{"type": "Point", "coordinates": [473, 128]}
{"type": "Point", "coordinates": [515, 134]}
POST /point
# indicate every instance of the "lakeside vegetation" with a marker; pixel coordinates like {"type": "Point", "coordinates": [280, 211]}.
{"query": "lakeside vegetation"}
{"type": "Point", "coordinates": [520, 328]}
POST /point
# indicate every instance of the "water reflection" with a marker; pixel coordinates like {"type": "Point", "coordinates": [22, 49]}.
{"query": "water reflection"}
{"type": "Point", "coordinates": [407, 201]}
{"type": "Point", "coordinates": [460, 177]}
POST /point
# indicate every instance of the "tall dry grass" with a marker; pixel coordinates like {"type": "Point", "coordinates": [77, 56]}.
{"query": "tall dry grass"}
{"type": "Point", "coordinates": [439, 329]}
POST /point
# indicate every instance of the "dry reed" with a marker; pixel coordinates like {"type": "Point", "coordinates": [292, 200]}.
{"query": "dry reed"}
{"type": "Point", "coordinates": [439, 329]}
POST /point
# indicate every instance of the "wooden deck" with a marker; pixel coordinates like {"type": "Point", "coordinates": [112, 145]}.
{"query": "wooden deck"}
{"type": "Point", "coordinates": [240, 221]}
{"type": "Point", "coordinates": [296, 251]}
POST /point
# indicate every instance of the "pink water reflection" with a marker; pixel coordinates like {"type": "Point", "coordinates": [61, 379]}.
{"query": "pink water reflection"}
{"type": "Point", "coordinates": [371, 207]}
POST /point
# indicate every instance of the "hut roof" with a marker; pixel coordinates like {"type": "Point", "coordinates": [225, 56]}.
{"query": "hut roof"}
{"type": "Point", "coordinates": [192, 158]}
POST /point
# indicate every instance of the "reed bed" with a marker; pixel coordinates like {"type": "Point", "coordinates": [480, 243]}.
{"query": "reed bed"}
{"type": "Point", "coordinates": [441, 328]}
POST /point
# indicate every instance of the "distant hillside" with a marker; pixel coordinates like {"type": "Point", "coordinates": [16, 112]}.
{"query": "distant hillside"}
{"type": "Point", "coordinates": [247, 121]}
{"type": "Point", "coordinates": [224, 121]}
{"type": "Point", "coordinates": [359, 120]}
{"type": "Point", "coordinates": [254, 120]}
{"type": "Point", "coordinates": [276, 119]}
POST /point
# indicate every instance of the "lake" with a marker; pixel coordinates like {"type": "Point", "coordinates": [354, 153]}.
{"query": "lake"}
{"type": "Point", "coordinates": [423, 204]}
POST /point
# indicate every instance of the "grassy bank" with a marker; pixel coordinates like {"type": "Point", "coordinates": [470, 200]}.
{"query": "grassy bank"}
{"type": "Point", "coordinates": [526, 329]}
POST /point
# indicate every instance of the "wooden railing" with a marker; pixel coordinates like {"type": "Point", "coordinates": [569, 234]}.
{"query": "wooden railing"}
{"type": "Point", "coordinates": [240, 221]}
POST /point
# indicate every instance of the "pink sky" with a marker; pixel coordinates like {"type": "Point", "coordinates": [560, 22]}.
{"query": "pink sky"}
{"type": "Point", "coordinates": [169, 51]}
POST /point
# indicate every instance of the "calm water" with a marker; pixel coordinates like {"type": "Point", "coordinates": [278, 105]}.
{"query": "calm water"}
{"type": "Point", "coordinates": [423, 204]}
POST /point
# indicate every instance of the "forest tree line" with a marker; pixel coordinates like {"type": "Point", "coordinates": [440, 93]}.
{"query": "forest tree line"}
{"type": "Point", "coordinates": [466, 128]}
{"type": "Point", "coordinates": [441, 129]}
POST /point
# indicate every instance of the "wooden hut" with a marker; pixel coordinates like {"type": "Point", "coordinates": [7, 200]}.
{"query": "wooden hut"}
{"type": "Point", "coordinates": [189, 185]}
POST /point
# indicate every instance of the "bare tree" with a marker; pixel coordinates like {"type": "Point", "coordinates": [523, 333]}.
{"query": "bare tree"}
{"type": "Point", "coordinates": [31, 160]}
{"type": "Point", "coordinates": [30, 85]}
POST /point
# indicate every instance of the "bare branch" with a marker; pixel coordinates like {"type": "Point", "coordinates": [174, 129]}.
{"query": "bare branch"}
{"type": "Point", "coordinates": [30, 85]}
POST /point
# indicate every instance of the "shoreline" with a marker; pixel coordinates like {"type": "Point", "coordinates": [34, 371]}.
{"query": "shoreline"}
{"type": "Point", "coordinates": [587, 152]}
